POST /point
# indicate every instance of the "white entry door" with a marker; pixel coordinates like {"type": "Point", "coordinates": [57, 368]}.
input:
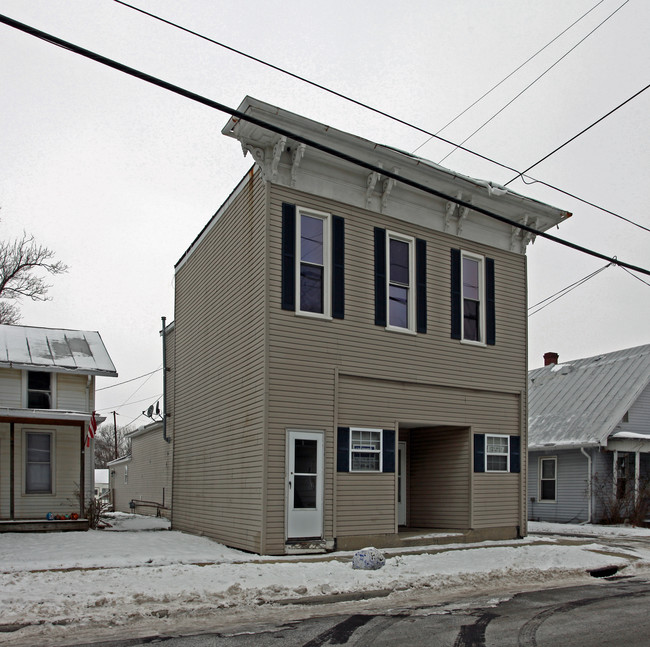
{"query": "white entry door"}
{"type": "Point", "coordinates": [401, 484]}
{"type": "Point", "coordinates": [304, 485]}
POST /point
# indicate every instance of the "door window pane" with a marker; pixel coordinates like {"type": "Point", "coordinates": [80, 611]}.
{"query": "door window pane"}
{"type": "Point", "coordinates": [304, 492]}
{"type": "Point", "coordinates": [305, 456]}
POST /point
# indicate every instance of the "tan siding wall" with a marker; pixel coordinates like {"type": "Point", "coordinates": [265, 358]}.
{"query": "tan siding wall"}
{"type": "Point", "coordinates": [11, 388]}
{"type": "Point", "coordinates": [149, 474]}
{"type": "Point", "coordinates": [71, 392]}
{"type": "Point", "coordinates": [439, 491]}
{"type": "Point", "coordinates": [218, 404]}
{"type": "Point", "coordinates": [496, 500]}
{"type": "Point", "coordinates": [365, 504]}
{"type": "Point", "coordinates": [426, 379]}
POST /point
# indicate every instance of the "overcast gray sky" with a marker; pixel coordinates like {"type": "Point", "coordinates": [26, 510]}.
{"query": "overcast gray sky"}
{"type": "Point", "coordinates": [118, 176]}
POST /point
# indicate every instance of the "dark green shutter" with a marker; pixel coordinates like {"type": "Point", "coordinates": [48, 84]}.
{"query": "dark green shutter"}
{"type": "Point", "coordinates": [288, 256]}
{"type": "Point", "coordinates": [343, 449]}
{"type": "Point", "coordinates": [490, 312]}
{"type": "Point", "coordinates": [388, 450]}
{"type": "Point", "coordinates": [515, 454]}
{"type": "Point", "coordinates": [479, 452]}
{"type": "Point", "coordinates": [338, 267]}
{"type": "Point", "coordinates": [380, 276]}
{"type": "Point", "coordinates": [456, 295]}
{"type": "Point", "coordinates": [421, 285]}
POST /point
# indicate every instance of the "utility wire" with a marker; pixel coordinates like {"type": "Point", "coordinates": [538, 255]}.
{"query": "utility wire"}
{"type": "Point", "coordinates": [124, 404]}
{"type": "Point", "coordinates": [304, 140]}
{"type": "Point", "coordinates": [380, 112]}
{"type": "Point", "coordinates": [133, 379]}
{"type": "Point", "coordinates": [533, 82]}
{"type": "Point", "coordinates": [505, 78]}
{"type": "Point", "coordinates": [638, 278]}
{"type": "Point", "coordinates": [565, 291]}
{"type": "Point", "coordinates": [582, 132]}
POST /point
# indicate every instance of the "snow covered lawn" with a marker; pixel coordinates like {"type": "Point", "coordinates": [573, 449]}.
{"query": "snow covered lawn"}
{"type": "Point", "coordinates": [51, 583]}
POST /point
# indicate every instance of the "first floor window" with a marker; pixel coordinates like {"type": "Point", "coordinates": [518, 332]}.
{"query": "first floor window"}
{"type": "Point", "coordinates": [547, 478]}
{"type": "Point", "coordinates": [497, 453]}
{"type": "Point", "coordinates": [38, 468]}
{"type": "Point", "coordinates": [365, 450]}
{"type": "Point", "coordinates": [126, 474]}
{"type": "Point", "coordinates": [39, 390]}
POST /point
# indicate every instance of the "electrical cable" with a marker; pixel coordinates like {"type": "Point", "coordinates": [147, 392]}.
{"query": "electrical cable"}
{"type": "Point", "coordinates": [301, 139]}
{"type": "Point", "coordinates": [638, 278]}
{"type": "Point", "coordinates": [380, 112]}
{"type": "Point", "coordinates": [505, 78]}
{"type": "Point", "coordinates": [119, 406]}
{"type": "Point", "coordinates": [533, 82]}
{"type": "Point", "coordinates": [133, 379]}
{"type": "Point", "coordinates": [564, 291]}
{"type": "Point", "coordinates": [582, 132]}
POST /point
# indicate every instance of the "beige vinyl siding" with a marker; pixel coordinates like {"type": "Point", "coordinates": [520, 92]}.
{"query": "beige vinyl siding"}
{"type": "Point", "coordinates": [218, 403]}
{"type": "Point", "coordinates": [5, 467]}
{"type": "Point", "coordinates": [365, 504]}
{"type": "Point", "coordinates": [11, 388]}
{"type": "Point", "coordinates": [496, 500]}
{"type": "Point", "coordinates": [149, 474]}
{"type": "Point", "coordinates": [439, 487]}
{"type": "Point", "coordinates": [385, 377]}
{"type": "Point", "coordinates": [71, 393]}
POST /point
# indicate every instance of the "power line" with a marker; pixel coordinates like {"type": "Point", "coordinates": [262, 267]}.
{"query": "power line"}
{"type": "Point", "coordinates": [582, 132]}
{"type": "Point", "coordinates": [124, 404]}
{"type": "Point", "coordinates": [505, 78]}
{"type": "Point", "coordinates": [385, 114]}
{"type": "Point", "coordinates": [533, 82]}
{"type": "Point", "coordinates": [564, 291]}
{"type": "Point", "coordinates": [133, 379]}
{"type": "Point", "coordinates": [638, 278]}
{"type": "Point", "coordinates": [304, 140]}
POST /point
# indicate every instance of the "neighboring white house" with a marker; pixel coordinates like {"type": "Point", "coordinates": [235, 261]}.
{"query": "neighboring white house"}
{"type": "Point", "coordinates": [588, 434]}
{"type": "Point", "coordinates": [101, 482]}
{"type": "Point", "coordinates": [47, 396]}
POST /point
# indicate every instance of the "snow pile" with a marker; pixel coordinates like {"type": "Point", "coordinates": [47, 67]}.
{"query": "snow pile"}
{"type": "Point", "coordinates": [591, 530]}
{"type": "Point", "coordinates": [108, 580]}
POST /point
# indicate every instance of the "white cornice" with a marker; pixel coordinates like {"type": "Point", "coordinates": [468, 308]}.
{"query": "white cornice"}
{"type": "Point", "coordinates": [290, 163]}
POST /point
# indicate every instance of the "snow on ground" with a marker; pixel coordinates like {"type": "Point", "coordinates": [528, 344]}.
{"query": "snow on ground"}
{"type": "Point", "coordinates": [578, 530]}
{"type": "Point", "coordinates": [117, 578]}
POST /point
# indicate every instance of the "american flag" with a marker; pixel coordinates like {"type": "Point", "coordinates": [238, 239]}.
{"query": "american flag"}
{"type": "Point", "coordinates": [92, 428]}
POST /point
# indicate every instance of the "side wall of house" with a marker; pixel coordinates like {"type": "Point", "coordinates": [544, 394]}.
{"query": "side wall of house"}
{"type": "Point", "coordinates": [571, 504]}
{"type": "Point", "coordinates": [353, 373]}
{"type": "Point", "coordinates": [219, 399]}
{"type": "Point", "coordinates": [639, 415]}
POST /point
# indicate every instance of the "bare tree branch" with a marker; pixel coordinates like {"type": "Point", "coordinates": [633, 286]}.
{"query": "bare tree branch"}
{"type": "Point", "coordinates": [19, 260]}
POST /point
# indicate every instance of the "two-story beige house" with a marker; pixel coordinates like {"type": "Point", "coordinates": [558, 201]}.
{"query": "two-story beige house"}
{"type": "Point", "coordinates": [350, 350]}
{"type": "Point", "coordinates": [47, 396]}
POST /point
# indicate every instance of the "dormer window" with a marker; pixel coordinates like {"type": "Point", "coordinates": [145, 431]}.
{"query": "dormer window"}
{"type": "Point", "coordinates": [39, 390]}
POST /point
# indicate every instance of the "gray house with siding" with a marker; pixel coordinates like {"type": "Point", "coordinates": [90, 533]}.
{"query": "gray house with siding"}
{"type": "Point", "coordinates": [47, 398]}
{"type": "Point", "coordinates": [589, 437]}
{"type": "Point", "coordinates": [350, 356]}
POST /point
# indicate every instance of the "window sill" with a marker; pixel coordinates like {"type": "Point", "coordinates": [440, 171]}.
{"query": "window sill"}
{"type": "Point", "coordinates": [403, 331]}
{"type": "Point", "coordinates": [546, 501]}
{"type": "Point", "coordinates": [469, 342]}
{"type": "Point", "coordinates": [313, 315]}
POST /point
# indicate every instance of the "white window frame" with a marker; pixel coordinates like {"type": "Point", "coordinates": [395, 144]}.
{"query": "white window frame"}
{"type": "Point", "coordinates": [126, 475]}
{"type": "Point", "coordinates": [53, 394]}
{"type": "Point", "coordinates": [327, 262]}
{"type": "Point", "coordinates": [481, 295]}
{"type": "Point", "coordinates": [51, 434]}
{"type": "Point", "coordinates": [488, 453]}
{"type": "Point", "coordinates": [410, 313]}
{"type": "Point", "coordinates": [379, 451]}
{"type": "Point", "coordinates": [540, 479]}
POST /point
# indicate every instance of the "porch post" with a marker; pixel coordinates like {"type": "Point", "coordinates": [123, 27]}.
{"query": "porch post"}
{"type": "Point", "coordinates": [82, 476]}
{"type": "Point", "coordinates": [637, 469]}
{"type": "Point", "coordinates": [12, 472]}
{"type": "Point", "coordinates": [615, 474]}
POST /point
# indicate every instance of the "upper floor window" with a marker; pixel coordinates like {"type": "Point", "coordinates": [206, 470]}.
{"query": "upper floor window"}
{"type": "Point", "coordinates": [39, 390]}
{"type": "Point", "coordinates": [473, 311]}
{"type": "Point", "coordinates": [38, 464]}
{"type": "Point", "coordinates": [473, 314]}
{"type": "Point", "coordinates": [313, 262]}
{"type": "Point", "coordinates": [400, 282]}
{"type": "Point", "coordinates": [314, 267]}
{"type": "Point", "coordinates": [365, 450]}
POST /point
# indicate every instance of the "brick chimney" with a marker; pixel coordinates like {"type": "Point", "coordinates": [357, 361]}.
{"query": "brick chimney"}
{"type": "Point", "coordinates": [550, 359]}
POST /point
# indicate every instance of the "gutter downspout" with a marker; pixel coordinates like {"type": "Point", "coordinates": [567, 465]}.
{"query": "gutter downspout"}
{"type": "Point", "coordinates": [165, 369]}
{"type": "Point", "coordinates": [584, 452]}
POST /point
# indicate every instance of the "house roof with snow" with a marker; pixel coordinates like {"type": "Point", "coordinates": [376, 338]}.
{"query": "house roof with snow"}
{"type": "Point", "coordinates": [53, 349]}
{"type": "Point", "coordinates": [580, 403]}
